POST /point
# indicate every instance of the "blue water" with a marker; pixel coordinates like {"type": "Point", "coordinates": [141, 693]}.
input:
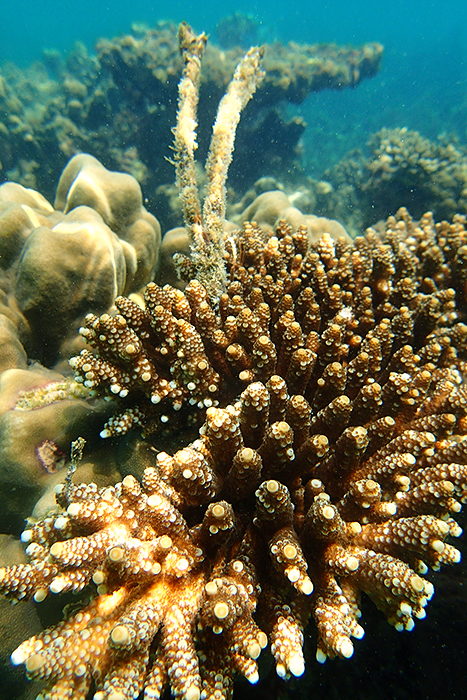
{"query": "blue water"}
{"type": "Point", "coordinates": [28, 26]}
{"type": "Point", "coordinates": [422, 84]}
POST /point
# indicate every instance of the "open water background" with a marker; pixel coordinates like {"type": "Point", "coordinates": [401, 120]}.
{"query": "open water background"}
{"type": "Point", "coordinates": [422, 84]}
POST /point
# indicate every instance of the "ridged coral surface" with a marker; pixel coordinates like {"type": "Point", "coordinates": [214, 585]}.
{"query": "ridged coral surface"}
{"type": "Point", "coordinates": [330, 462]}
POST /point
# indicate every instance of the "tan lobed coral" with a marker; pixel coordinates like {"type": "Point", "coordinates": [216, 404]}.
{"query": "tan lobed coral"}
{"type": "Point", "coordinates": [337, 471]}
{"type": "Point", "coordinates": [270, 208]}
{"type": "Point", "coordinates": [58, 262]}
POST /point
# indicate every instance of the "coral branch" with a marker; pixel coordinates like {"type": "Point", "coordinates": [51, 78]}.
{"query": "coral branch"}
{"type": "Point", "coordinates": [206, 232]}
{"type": "Point", "coordinates": [191, 48]}
{"type": "Point", "coordinates": [287, 506]}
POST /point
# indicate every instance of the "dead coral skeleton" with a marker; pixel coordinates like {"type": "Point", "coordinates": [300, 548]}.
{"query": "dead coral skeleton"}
{"type": "Point", "coordinates": [206, 230]}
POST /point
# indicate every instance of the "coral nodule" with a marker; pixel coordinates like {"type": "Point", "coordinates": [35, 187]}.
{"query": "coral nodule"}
{"type": "Point", "coordinates": [331, 461]}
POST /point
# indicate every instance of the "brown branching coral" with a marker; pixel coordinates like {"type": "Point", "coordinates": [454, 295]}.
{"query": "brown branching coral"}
{"type": "Point", "coordinates": [282, 305]}
{"type": "Point", "coordinates": [149, 355]}
{"type": "Point", "coordinates": [182, 352]}
{"type": "Point", "coordinates": [338, 469]}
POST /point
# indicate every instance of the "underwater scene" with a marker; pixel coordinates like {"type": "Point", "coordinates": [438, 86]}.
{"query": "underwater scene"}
{"type": "Point", "coordinates": [233, 350]}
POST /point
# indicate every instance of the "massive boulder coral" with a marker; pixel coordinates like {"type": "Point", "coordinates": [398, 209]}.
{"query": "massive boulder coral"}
{"type": "Point", "coordinates": [38, 409]}
{"type": "Point", "coordinates": [118, 199]}
{"type": "Point", "coordinates": [59, 262]}
{"type": "Point", "coordinates": [270, 208]}
{"type": "Point", "coordinates": [338, 469]}
{"type": "Point", "coordinates": [56, 264]}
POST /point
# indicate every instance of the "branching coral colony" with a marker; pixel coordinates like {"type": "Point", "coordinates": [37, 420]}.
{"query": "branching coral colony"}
{"type": "Point", "coordinates": [335, 470]}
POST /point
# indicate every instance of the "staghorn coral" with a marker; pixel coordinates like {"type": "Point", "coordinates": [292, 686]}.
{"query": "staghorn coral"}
{"type": "Point", "coordinates": [338, 469]}
{"type": "Point", "coordinates": [167, 359]}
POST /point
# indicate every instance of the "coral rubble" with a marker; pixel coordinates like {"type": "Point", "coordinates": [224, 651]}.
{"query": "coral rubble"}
{"type": "Point", "coordinates": [336, 471]}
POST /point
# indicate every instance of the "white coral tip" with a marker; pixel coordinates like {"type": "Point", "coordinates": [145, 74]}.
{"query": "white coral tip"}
{"type": "Point", "coordinates": [57, 585]}
{"type": "Point", "coordinates": [409, 625]}
{"type": "Point", "coordinates": [281, 670]}
{"type": "Point", "coordinates": [73, 510]}
{"type": "Point", "coordinates": [18, 657]}
{"type": "Point", "coordinates": [306, 586]}
{"type": "Point", "coordinates": [297, 665]}
{"type": "Point", "coordinates": [321, 656]}
{"type": "Point", "coordinates": [344, 647]}
{"type": "Point", "coordinates": [26, 536]}
{"type": "Point", "coordinates": [253, 677]}
{"type": "Point", "coordinates": [358, 632]}
{"type": "Point", "coordinates": [193, 693]}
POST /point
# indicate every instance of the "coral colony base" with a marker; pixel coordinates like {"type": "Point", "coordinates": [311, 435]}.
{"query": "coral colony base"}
{"type": "Point", "coordinates": [330, 462]}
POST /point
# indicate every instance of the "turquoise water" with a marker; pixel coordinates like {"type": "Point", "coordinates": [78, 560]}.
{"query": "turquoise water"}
{"type": "Point", "coordinates": [411, 27]}
{"type": "Point", "coordinates": [422, 84]}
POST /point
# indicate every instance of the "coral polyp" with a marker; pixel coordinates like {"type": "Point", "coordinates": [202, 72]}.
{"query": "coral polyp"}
{"type": "Point", "coordinates": [336, 471]}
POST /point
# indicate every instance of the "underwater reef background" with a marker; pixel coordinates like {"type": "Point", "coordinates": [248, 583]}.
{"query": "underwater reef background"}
{"type": "Point", "coordinates": [359, 114]}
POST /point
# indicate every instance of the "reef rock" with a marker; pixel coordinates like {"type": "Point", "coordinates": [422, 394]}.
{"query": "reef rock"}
{"type": "Point", "coordinates": [120, 105]}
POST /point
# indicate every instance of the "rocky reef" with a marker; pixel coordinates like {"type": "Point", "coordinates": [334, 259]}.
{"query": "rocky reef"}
{"type": "Point", "coordinates": [399, 167]}
{"type": "Point", "coordinates": [288, 426]}
{"type": "Point", "coordinates": [120, 105]}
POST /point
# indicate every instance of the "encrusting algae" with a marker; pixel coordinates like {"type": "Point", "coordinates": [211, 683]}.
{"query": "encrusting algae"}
{"type": "Point", "coordinates": [331, 461]}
